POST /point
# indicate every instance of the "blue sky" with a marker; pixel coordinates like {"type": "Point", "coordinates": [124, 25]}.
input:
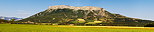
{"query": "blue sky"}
{"type": "Point", "coordinates": [143, 9]}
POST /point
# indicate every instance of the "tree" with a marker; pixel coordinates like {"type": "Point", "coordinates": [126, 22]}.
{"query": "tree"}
{"type": "Point", "coordinates": [12, 21]}
{"type": "Point", "coordinates": [3, 21]}
{"type": "Point", "coordinates": [149, 25]}
{"type": "Point", "coordinates": [74, 22]}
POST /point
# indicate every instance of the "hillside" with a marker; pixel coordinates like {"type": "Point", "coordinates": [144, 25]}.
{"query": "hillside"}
{"type": "Point", "coordinates": [86, 15]}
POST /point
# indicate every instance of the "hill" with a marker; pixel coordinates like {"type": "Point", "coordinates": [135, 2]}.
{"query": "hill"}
{"type": "Point", "coordinates": [87, 15]}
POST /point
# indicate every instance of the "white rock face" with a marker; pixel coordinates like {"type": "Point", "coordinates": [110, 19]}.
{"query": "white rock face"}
{"type": "Point", "coordinates": [100, 11]}
{"type": "Point", "coordinates": [75, 8]}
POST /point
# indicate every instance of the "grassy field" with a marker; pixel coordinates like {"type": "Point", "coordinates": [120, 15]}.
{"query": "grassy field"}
{"type": "Point", "coordinates": [61, 28]}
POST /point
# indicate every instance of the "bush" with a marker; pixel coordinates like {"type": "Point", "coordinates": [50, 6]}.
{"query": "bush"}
{"type": "Point", "coordinates": [149, 25]}
{"type": "Point", "coordinates": [90, 20]}
{"type": "Point", "coordinates": [90, 24]}
{"type": "Point", "coordinates": [74, 22]}
{"type": "Point", "coordinates": [81, 21]}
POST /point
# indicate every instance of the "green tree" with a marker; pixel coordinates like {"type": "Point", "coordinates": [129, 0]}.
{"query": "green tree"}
{"type": "Point", "coordinates": [149, 25]}
{"type": "Point", "coordinates": [74, 22]}
{"type": "Point", "coordinates": [12, 21]}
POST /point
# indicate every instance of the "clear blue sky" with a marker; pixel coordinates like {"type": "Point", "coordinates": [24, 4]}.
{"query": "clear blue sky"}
{"type": "Point", "coordinates": [143, 9]}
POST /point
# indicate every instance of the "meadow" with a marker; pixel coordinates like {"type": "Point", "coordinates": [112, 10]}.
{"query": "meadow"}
{"type": "Point", "coordinates": [64, 28]}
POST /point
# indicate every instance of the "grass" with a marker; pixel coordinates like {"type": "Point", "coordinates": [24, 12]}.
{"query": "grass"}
{"type": "Point", "coordinates": [51, 28]}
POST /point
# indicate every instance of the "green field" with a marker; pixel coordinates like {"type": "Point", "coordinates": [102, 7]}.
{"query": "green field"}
{"type": "Point", "coordinates": [51, 28]}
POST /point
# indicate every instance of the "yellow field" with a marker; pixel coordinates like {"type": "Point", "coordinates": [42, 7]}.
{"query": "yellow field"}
{"type": "Point", "coordinates": [115, 27]}
{"type": "Point", "coordinates": [66, 28]}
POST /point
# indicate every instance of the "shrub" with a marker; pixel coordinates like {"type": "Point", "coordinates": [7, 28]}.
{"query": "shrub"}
{"type": "Point", "coordinates": [74, 22]}
{"type": "Point", "coordinates": [149, 25]}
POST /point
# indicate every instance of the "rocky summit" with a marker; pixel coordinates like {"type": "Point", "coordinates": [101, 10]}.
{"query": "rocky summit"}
{"type": "Point", "coordinates": [86, 15]}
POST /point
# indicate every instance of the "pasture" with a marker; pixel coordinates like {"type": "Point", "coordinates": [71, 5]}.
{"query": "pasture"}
{"type": "Point", "coordinates": [67, 28]}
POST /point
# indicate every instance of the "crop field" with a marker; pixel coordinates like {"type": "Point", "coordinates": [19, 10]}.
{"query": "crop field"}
{"type": "Point", "coordinates": [67, 28]}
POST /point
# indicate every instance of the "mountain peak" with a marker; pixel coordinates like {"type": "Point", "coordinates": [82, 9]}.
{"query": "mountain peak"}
{"type": "Point", "coordinates": [75, 8]}
{"type": "Point", "coordinates": [58, 14]}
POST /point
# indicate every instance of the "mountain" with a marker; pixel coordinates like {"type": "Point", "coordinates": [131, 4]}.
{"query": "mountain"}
{"type": "Point", "coordinates": [9, 18]}
{"type": "Point", "coordinates": [64, 14]}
